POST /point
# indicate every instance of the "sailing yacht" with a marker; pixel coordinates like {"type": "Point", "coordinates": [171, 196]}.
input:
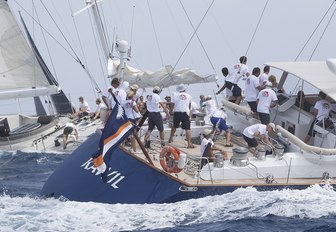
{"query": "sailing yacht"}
{"type": "Point", "coordinates": [24, 74]}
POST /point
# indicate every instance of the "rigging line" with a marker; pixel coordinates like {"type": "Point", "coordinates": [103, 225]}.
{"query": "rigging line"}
{"type": "Point", "coordinates": [75, 58]}
{"type": "Point", "coordinates": [199, 40]}
{"type": "Point", "coordinates": [46, 44]}
{"type": "Point", "coordinates": [66, 40]}
{"type": "Point", "coordinates": [132, 26]}
{"type": "Point", "coordinates": [103, 27]}
{"type": "Point", "coordinates": [97, 48]}
{"type": "Point", "coordinates": [93, 81]}
{"type": "Point", "coordinates": [318, 25]}
{"type": "Point", "coordinates": [80, 42]}
{"type": "Point", "coordinates": [325, 29]}
{"type": "Point", "coordinates": [255, 30]}
{"type": "Point", "coordinates": [192, 36]}
{"type": "Point", "coordinates": [156, 38]}
{"type": "Point", "coordinates": [77, 33]}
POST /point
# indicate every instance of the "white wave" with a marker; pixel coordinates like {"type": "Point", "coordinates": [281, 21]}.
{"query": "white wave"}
{"type": "Point", "coordinates": [27, 214]}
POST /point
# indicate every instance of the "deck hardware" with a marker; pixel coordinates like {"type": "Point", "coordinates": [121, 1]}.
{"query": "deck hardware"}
{"type": "Point", "coordinates": [269, 179]}
{"type": "Point", "coordinates": [184, 188]}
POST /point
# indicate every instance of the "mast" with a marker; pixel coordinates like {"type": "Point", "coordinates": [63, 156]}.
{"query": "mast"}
{"type": "Point", "coordinates": [100, 28]}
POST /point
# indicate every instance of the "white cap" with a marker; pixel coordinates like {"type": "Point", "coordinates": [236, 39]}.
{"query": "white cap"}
{"type": "Point", "coordinates": [157, 89]}
{"type": "Point", "coordinates": [181, 88]}
{"type": "Point", "coordinates": [272, 126]}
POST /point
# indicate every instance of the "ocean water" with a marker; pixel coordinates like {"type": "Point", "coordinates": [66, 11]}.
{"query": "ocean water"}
{"type": "Point", "coordinates": [22, 176]}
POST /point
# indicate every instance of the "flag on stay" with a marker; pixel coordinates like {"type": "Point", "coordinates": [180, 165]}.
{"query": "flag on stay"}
{"type": "Point", "coordinates": [116, 130]}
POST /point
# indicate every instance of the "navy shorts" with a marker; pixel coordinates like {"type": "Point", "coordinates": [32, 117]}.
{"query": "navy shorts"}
{"type": "Point", "coordinates": [236, 91]}
{"type": "Point", "coordinates": [181, 117]}
{"type": "Point", "coordinates": [253, 106]}
{"type": "Point", "coordinates": [250, 142]}
{"type": "Point", "coordinates": [221, 125]}
{"type": "Point", "coordinates": [264, 118]}
{"type": "Point", "coordinates": [155, 119]}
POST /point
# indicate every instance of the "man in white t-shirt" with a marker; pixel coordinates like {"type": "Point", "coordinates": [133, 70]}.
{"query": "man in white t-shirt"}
{"type": "Point", "coordinates": [264, 77]}
{"type": "Point", "coordinates": [69, 129]}
{"type": "Point", "coordinates": [118, 93]}
{"type": "Point", "coordinates": [100, 111]}
{"type": "Point", "coordinates": [153, 102]}
{"type": "Point", "coordinates": [322, 110]}
{"type": "Point", "coordinates": [218, 120]}
{"type": "Point", "coordinates": [209, 104]}
{"type": "Point", "coordinates": [225, 72]}
{"type": "Point", "coordinates": [208, 147]}
{"type": "Point", "coordinates": [83, 109]}
{"type": "Point", "coordinates": [252, 89]}
{"type": "Point", "coordinates": [181, 104]}
{"type": "Point", "coordinates": [258, 130]}
{"type": "Point", "coordinates": [266, 100]}
{"type": "Point", "coordinates": [239, 71]}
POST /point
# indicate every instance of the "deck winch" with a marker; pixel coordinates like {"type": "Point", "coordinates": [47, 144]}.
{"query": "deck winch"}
{"type": "Point", "coordinates": [239, 157]}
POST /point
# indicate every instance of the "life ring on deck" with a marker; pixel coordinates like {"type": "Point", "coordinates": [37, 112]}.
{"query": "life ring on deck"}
{"type": "Point", "coordinates": [169, 158]}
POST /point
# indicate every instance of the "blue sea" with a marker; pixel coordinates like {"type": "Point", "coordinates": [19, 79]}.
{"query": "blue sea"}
{"type": "Point", "coordinates": [22, 176]}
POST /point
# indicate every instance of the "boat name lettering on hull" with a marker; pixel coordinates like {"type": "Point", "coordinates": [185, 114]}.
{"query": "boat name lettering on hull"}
{"type": "Point", "coordinates": [113, 177]}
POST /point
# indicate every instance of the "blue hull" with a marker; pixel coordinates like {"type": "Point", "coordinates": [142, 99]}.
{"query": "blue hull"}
{"type": "Point", "coordinates": [129, 180]}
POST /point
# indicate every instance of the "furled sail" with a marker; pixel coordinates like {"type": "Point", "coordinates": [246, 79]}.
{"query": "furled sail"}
{"type": "Point", "coordinates": [165, 77]}
{"type": "Point", "coordinates": [20, 72]}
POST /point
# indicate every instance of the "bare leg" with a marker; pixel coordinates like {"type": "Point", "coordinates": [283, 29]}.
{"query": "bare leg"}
{"type": "Point", "coordinates": [65, 141]}
{"type": "Point", "coordinates": [228, 136]}
{"type": "Point", "coordinates": [188, 135]}
{"type": "Point", "coordinates": [172, 132]}
{"type": "Point", "coordinates": [238, 99]}
{"type": "Point", "coordinates": [307, 138]}
{"type": "Point", "coordinates": [147, 135]}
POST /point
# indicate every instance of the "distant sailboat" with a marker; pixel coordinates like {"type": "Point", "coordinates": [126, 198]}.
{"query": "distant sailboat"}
{"type": "Point", "coordinates": [24, 74]}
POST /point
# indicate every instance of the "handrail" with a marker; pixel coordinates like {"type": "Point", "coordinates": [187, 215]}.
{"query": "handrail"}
{"type": "Point", "coordinates": [303, 145]}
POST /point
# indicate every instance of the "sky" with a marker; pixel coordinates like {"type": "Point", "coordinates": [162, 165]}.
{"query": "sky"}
{"type": "Point", "coordinates": [159, 31]}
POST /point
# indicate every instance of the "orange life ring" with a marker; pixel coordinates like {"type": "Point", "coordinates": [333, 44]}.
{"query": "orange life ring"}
{"type": "Point", "coordinates": [169, 157]}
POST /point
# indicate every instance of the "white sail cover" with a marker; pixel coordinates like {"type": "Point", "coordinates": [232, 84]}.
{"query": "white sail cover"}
{"type": "Point", "coordinates": [165, 77]}
{"type": "Point", "coordinates": [20, 73]}
{"type": "Point", "coordinates": [316, 73]}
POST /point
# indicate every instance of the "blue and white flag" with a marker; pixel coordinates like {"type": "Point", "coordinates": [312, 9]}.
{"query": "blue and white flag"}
{"type": "Point", "coordinates": [116, 130]}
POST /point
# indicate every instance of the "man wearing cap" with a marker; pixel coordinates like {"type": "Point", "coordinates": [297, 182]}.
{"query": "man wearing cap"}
{"type": "Point", "coordinates": [154, 116]}
{"type": "Point", "coordinates": [266, 99]}
{"type": "Point", "coordinates": [258, 130]}
{"type": "Point", "coordinates": [181, 104]}
{"type": "Point", "coordinates": [205, 143]}
{"type": "Point", "coordinates": [115, 90]}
